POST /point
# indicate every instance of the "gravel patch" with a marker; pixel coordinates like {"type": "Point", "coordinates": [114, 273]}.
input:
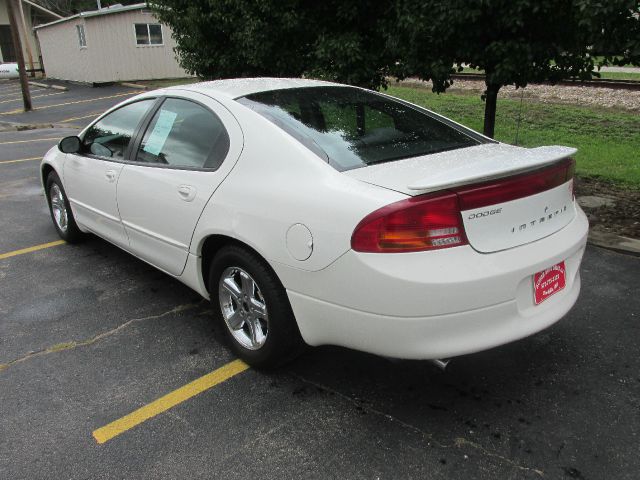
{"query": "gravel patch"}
{"type": "Point", "coordinates": [575, 95]}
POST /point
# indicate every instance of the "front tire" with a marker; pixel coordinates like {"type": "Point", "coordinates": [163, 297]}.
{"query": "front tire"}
{"type": "Point", "coordinates": [252, 305]}
{"type": "Point", "coordinates": [60, 210]}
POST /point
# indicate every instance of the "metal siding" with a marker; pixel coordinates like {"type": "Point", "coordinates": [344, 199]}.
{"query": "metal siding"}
{"type": "Point", "coordinates": [111, 54]}
{"type": "Point", "coordinates": [61, 53]}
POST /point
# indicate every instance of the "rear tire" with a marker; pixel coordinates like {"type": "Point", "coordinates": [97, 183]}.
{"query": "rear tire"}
{"type": "Point", "coordinates": [60, 210]}
{"type": "Point", "coordinates": [252, 306]}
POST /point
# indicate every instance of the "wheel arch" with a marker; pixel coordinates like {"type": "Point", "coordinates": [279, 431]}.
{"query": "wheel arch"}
{"type": "Point", "coordinates": [45, 171]}
{"type": "Point", "coordinates": [212, 244]}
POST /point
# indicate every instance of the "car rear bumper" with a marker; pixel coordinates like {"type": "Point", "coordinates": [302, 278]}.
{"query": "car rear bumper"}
{"type": "Point", "coordinates": [435, 304]}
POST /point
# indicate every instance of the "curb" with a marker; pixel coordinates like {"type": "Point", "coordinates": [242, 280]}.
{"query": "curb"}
{"type": "Point", "coordinates": [45, 85]}
{"type": "Point", "coordinates": [617, 243]}
{"type": "Point", "coordinates": [134, 85]}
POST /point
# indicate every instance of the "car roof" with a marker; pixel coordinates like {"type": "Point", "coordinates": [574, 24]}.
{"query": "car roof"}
{"type": "Point", "coordinates": [239, 87]}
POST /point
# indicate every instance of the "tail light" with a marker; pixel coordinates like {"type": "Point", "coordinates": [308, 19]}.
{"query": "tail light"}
{"type": "Point", "coordinates": [434, 221]}
{"type": "Point", "coordinates": [427, 222]}
{"type": "Point", "coordinates": [518, 186]}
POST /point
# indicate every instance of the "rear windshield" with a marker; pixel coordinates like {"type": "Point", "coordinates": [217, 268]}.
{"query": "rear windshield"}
{"type": "Point", "coordinates": [352, 128]}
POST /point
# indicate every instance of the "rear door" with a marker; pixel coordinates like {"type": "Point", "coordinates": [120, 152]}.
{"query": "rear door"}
{"type": "Point", "coordinates": [181, 157]}
{"type": "Point", "coordinates": [91, 176]}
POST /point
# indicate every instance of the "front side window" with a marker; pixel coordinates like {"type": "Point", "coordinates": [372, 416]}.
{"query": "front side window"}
{"type": "Point", "coordinates": [148, 34]}
{"type": "Point", "coordinates": [184, 134]}
{"type": "Point", "coordinates": [110, 136]}
{"type": "Point", "coordinates": [353, 128]}
{"type": "Point", "coordinates": [82, 40]}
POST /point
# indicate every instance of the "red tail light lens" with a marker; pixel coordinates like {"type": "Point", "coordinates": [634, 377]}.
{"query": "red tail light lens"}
{"type": "Point", "coordinates": [519, 186]}
{"type": "Point", "coordinates": [427, 222]}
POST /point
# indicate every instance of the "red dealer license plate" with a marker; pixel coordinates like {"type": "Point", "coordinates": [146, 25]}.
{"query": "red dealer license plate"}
{"type": "Point", "coordinates": [548, 282]}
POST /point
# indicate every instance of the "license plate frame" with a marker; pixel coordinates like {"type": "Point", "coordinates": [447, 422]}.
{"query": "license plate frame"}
{"type": "Point", "coordinates": [548, 282]}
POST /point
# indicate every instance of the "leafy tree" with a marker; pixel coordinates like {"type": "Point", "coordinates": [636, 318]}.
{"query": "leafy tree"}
{"type": "Point", "coordinates": [514, 41]}
{"type": "Point", "coordinates": [362, 42]}
{"type": "Point", "coordinates": [337, 40]}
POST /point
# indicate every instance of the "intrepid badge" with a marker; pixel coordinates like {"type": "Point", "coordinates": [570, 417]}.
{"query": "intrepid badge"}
{"type": "Point", "coordinates": [546, 217]}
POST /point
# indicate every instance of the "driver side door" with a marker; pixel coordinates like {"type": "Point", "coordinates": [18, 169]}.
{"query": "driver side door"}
{"type": "Point", "coordinates": [91, 176]}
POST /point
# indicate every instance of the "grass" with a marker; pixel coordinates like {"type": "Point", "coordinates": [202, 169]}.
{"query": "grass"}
{"type": "Point", "coordinates": [603, 75]}
{"type": "Point", "coordinates": [619, 76]}
{"type": "Point", "coordinates": [608, 140]}
{"type": "Point", "coordinates": [599, 59]}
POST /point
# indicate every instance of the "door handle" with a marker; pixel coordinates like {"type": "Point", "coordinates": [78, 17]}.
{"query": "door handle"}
{"type": "Point", "coordinates": [111, 175]}
{"type": "Point", "coordinates": [186, 192]}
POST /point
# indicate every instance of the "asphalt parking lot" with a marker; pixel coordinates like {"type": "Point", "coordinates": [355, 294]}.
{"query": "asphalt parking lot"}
{"type": "Point", "coordinates": [91, 337]}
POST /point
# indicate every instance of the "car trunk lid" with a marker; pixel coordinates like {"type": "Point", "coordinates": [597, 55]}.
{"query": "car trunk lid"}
{"type": "Point", "coordinates": [508, 196]}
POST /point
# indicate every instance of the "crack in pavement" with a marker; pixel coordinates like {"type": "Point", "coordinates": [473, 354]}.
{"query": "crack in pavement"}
{"type": "Point", "coordinates": [459, 442]}
{"type": "Point", "coordinates": [64, 346]}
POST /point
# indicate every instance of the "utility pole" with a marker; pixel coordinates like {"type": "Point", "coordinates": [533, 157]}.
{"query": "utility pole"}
{"type": "Point", "coordinates": [27, 43]}
{"type": "Point", "coordinates": [17, 45]}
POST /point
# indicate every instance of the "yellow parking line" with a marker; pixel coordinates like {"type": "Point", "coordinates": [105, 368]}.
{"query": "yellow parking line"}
{"type": "Point", "coordinates": [168, 401]}
{"type": "Point", "coordinates": [79, 118]}
{"type": "Point", "coordinates": [20, 160]}
{"type": "Point", "coordinates": [19, 98]}
{"type": "Point", "coordinates": [31, 140]}
{"type": "Point", "coordinates": [11, 91]}
{"type": "Point", "coordinates": [35, 248]}
{"type": "Point", "coordinates": [19, 110]}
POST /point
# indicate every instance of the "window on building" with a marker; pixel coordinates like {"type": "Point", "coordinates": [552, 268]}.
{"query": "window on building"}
{"type": "Point", "coordinates": [82, 40]}
{"type": "Point", "coordinates": [7, 52]}
{"type": "Point", "coordinates": [148, 34]}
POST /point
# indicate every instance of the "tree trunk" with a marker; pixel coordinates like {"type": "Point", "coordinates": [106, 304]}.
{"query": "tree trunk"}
{"type": "Point", "coordinates": [491, 99]}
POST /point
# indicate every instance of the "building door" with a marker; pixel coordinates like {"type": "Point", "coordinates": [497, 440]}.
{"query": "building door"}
{"type": "Point", "coordinates": [6, 44]}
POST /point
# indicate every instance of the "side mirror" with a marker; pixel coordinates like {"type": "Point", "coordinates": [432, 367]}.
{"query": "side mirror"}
{"type": "Point", "coordinates": [69, 145]}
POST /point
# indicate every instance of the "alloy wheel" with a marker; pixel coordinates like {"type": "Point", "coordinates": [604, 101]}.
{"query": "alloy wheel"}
{"type": "Point", "coordinates": [58, 207]}
{"type": "Point", "coordinates": [243, 308]}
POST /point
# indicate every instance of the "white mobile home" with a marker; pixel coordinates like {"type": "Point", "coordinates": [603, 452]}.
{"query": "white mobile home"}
{"type": "Point", "coordinates": [109, 45]}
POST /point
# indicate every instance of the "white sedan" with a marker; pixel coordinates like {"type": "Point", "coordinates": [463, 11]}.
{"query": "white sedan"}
{"type": "Point", "coordinates": [318, 213]}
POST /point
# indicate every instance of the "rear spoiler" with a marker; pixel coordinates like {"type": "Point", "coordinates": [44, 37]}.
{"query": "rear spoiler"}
{"type": "Point", "coordinates": [481, 169]}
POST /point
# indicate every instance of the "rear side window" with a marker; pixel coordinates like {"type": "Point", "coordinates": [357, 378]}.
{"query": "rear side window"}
{"type": "Point", "coordinates": [353, 128]}
{"type": "Point", "coordinates": [184, 134]}
{"type": "Point", "coordinates": [111, 135]}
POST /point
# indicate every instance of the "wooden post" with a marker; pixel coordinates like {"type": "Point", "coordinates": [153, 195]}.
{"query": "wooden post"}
{"type": "Point", "coordinates": [17, 45]}
{"type": "Point", "coordinates": [26, 37]}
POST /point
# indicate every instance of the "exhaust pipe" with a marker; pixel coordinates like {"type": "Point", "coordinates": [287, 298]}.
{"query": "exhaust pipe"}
{"type": "Point", "coordinates": [441, 363]}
